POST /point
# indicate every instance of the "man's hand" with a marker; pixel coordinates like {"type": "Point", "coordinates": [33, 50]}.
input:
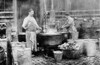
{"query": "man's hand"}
{"type": "Point", "coordinates": [40, 28]}
{"type": "Point", "coordinates": [38, 31]}
{"type": "Point", "coordinates": [63, 26]}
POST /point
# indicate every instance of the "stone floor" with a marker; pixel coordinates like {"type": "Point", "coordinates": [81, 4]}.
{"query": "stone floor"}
{"type": "Point", "coordinates": [81, 61]}
{"type": "Point", "coordinates": [84, 60]}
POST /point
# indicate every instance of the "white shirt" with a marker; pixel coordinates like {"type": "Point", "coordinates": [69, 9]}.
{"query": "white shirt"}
{"type": "Point", "coordinates": [30, 23]}
{"type": "Point", "coordinates": [70, 23]}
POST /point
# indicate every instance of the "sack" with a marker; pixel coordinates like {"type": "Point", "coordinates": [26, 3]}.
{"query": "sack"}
{"type": "Point", "coordinates": [22, 55]}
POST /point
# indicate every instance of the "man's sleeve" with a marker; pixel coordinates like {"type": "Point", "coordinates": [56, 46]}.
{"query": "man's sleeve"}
{"type": "Point", "coordinates": [24, 25]}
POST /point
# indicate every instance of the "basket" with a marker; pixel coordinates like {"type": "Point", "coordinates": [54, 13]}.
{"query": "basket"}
{"type": "Point", "coordinates": [71, 54]}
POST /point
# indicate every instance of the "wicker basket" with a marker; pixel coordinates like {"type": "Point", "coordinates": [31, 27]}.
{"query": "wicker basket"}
{"type": "Point", "coordinates": [71, 54]}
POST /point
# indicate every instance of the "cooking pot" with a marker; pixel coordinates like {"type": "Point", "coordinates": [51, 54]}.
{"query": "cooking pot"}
{"type": "Point", "coordinates": [50, 39]}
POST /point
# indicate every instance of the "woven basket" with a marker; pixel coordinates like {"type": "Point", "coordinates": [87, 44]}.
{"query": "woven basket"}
{"type": "Point", "coordinates": [71, 54]}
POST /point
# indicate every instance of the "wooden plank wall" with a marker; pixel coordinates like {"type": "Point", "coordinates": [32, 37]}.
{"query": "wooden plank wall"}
{"type": "Point", "coordinates": [59, 5]}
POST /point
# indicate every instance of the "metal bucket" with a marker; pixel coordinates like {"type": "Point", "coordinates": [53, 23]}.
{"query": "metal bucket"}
{"type": "Point", "coordinates": [58, 55]}
{"type": "Point", "coordinates": [90, 47]}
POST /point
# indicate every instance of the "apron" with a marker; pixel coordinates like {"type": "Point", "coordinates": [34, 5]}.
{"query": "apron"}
{"type": "Point", "coordinates": [31, 40]}
{"type": "Point", "coordinates": [74, 32]}
{"type": "Point", "coordinates": [31, 36]}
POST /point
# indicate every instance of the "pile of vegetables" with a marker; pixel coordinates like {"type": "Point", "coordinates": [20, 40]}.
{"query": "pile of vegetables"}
{"type": "Point", "coordinates": [71, 49]}
{"type": "Point", "coordinates": [70, 45]}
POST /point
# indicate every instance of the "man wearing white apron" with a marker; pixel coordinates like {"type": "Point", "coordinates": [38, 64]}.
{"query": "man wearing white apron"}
{"type": "Point", "coordinates": [70, 26]}
{"type": "Point", "coordinates": [31, 26]}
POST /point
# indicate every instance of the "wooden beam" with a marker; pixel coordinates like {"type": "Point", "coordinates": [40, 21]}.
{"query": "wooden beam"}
{"type": "Point", "coordinates": [6, 12]}
{"type": "Point", "coordinates": [6, 21]}
{"type": "Point", "coordinates": [3, 17]}
{"type": "Point", "coordinates": [79, 11]}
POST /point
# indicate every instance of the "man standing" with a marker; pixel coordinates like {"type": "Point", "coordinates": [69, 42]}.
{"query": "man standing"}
{"type": "Point", "coordinates": [31, 26]}
{"type": "Point", "coordinates": [70, 26]}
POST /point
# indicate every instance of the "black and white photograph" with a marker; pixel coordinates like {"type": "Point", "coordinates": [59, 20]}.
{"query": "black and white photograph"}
{"type": "Point", "coordinates": [49, 32]}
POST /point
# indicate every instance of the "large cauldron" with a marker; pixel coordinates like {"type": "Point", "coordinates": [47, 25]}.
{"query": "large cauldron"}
{"type": "Point", "coordinates": [50, 42]}
{"type": "Point", "coordinates": [50, 39]}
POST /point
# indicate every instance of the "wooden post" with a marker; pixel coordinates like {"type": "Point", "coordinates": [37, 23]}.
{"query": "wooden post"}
{"type": "Point", "coordinates": [15, 12]}
{"type": "Point", "coordinates": [45, 13]}
{"type": "Point", "coordinates": [67, 5]}
{"type": "Point", "coordinates": [99, 42]}
{"type": "Point", "coordinates": [41, 12]}
{"type": "Point", "coordinates": [45, 5]}
{"type": "Point", "coordinates": [15, 18]}
{"type": "Point", "coordinates": [52, 5]}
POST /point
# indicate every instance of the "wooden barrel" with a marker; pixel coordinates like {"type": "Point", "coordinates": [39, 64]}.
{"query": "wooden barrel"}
{"type": "Point", "coordinates": [2, 56]}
